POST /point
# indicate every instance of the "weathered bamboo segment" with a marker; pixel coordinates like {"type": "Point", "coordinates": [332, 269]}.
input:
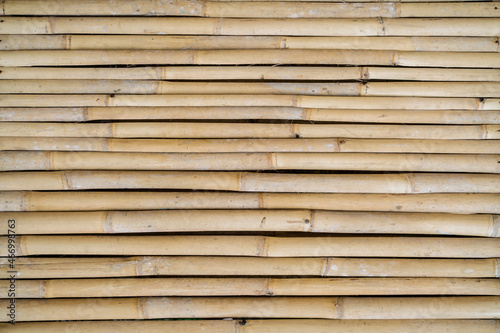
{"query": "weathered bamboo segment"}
{"type": "Point", "coordinates": [113, 42]}
{"type": "Point", "coordinates": [251, 182]}
{"type": "Point", "coordinates": [46, 268]}
{"type": "Point", "coordinates": [126, 287]}
{"type": "Point", "coordinates": [247, 130]}
{"type": "Point", "coordinates": [250, 9]}
{"type": "Point", "coordinates": [248, 57]}
{"type": "Point", "coordinates": [56, 160]}
{"type": "Point", "coordinates": [314, 221]}
{"type": "Point", "coordinates": [256, 246]}
{"type": "Point", "coordinates": [251, 145]}
{"type": "Point", "coordinates": [431, 89]}
{"type": "Point", "coordinates": [288, 73]}
{"type": "Point", "coordinates": [258, 326]}
{"type": "Point", "coordinates": [464, 307]}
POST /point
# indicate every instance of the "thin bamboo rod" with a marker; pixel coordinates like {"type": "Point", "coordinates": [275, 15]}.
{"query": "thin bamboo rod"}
{"type": "Point", "coordinates": [112, 42]}
{"type": "Point", "coordinates": [314, 221]}
{"type": "Point", "coordinates": [420, 27]}
{"type": "Point", "coordinates": [46, 268]}
{"type": "Point", "coordinates": [474, 307]}
{"type": "Point", "coordinates": [55, 160]}
{"type": "Point", "coordinates": [251, 182]}
{"type": "Point", "coordinates": [252, 73]}
{"type": "Point", "coordinates": [256, 246]}
{"type": "Point", "coordinates": [250, 9]}
{"type": "Point", "coordinates": [257, 326]}
{"type": "Point", "coordinates": [248, 57]}
{"type": "Point", "coordinates": [247, 130]}
{"type": "Point", "coordinates": [127, 287]}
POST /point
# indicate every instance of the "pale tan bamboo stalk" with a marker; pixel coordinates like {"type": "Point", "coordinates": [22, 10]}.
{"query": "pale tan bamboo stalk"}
{"type": "Point", "coordinates": [126, 287]}
{"type": "Point", "coordinates": [252, 73]}
{"type": "Point", "coordinates": [445, 89]}
{"type": "Point", "coordinates": [258, 326]}
{"type": "Point", "coordinates": [251, 145]}
{"type": "Point", "coordinates": [103, 42]}
{"type": "Point", "coordinates": [247, 130]}
{"type": "Point", "coordinates": [459, 27]}
{"type": "Point", "coordinates": [256, 246]}
{"type": "Point", "coordinates": [46, 268]}
{"type": "Point", "coordinates": [261, 307]}
{"type": "Point", "coordinates": [461, 9]}
{"type": "Point", "coordinates": [251, 182]}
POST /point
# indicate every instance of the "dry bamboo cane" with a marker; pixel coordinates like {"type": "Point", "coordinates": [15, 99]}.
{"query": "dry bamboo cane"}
{"type": "Point", "coordinates": [56, 160]}
{"type": "Point", "coordinates": [252, 73]}
{"type": "Point", "coordinates": [250, 9]}
{"type": "Point", "coordinates": [46, 268]}
{"type": "Point", "coordinates": [420, 27]}
{"type": "Point", "coordinates": [112, 42]}
{"type": "Point", "coordinates": [417, 89]}
{"type": "Point", "coordinates": [193, 130]}
{"type": "Point", "coordinates": [474, 307]}
{"type": "Point", "coordinates": [248, 57]}
{"type": "Point", "coordinates": [251, 145]}
{"type": "Point", "coordinates": [251, 182]}
{"type": "Point", "coordinates": [255, 246]}
{"type": "Point", "coordinates": [127, 287]}
{"type": "Point", "coordinates": [314, 221]}
{"type": "Point", "coordinates": [258, 326]}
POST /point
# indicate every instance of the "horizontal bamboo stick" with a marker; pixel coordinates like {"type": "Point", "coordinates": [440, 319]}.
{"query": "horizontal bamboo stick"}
{"type": "Point", "coordinates": [251, 182]}
{"type": "Point", "coordinates": [288, 73]}
{"type": "Point", "coordinates": [251, 9]}
{"type": "Point", "coordinates": [247, 130]}
{"type": "Point", "coordinates": [420, 27]}
{"type": "Point", "coordinates": [126, 287]}
{"type": "Point", "coordinates": [46, 268]}
{"type": "Point", "coordinates": [55, 160]}
{"type": "Point", "coordinates": [484, 225]}
{"type": "Point", "coordinates": [430, 89]}
{"type": "Point", "coordinates": [258, 326]}
{"type": "Point", "coordinates": [256, 246]}
{"type": "Point", "coordinates": [248, 57]}
{"type": "Point", "coordinates": [113, 42]}
{"type": "Point", "coordinates": [464, 307]}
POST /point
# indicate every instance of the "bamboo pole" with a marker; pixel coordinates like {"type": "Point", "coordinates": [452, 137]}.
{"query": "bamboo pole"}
{"type": "Point", "coordinates": [127, 287]}
{"type": "Point", "coordinates": [252, 73]}
{"type": "Point", "coordinates": [256, 246]}
{"type": "Point", "coordinates": [55, 160]}
{"type": "Point", "coordinates": [113, 42]}
{"type": "Point", "coordinates": [315, 221]}
{"type": "Point", "coordinates": [420, 27]}
{"type": "Point", "coordinates": [475, 307]}
{"type": "Point", "coordinates": [258, 326]}
{"type": "Point", "coordinates": [251, 182]}
{"type": "Point", "coordinates": [96, 267]}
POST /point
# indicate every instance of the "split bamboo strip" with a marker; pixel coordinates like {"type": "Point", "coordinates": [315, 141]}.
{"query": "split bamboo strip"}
{"type": "Point", "coordinates": [419, 27]}
{"type": "Point", "coordinates": [258, 326]}
{"type": "Point", "coordinates": [96, 267]}
{"type": "Point", "coordinates": [239, 113]}
{"type": "Point", "coordinates": [248, 57]}
{"type": "Point", "coordinates": [252, 73]}
{"type": "Point", "coordinates": [484, 225]}
{"type": "Point", "coordinates": [431, 89]}
{"type": "Point", "coordinates": [251, 145]}
{"type": "Point", "coordinates": [465, 307]}
{"type": "Point", "coordinates": [251, 182]}
{"type": "Point", "coordinates": [112, 42]}
{"type": "Point", "coordinates": [247, 130]}
{"type": "Point", "coordinates": [250, 9]}
{"type": "Point", "coordinates": [127, 287]}
{"type": "Point", "coordinates": [256, 246]}
{"type": "Point", "coordinates": [55, 160]}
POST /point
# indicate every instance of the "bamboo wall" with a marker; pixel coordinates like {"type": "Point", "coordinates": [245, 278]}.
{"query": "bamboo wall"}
{"type": "Point", "coordinates": [240, 166]}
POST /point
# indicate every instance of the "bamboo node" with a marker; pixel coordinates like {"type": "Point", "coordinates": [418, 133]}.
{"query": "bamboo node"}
{"type": "Point", "coordinates": [218, 26]}
{"type": "Point", "coordinates": [495, 225]}
{"type": "Point", "coordinates": [497, 267]}
{"type": "Point", "coordinates": [142, 304]}
{"type": "Point", "coordinates": [325, 269]}
{"type": "Point", "coordinates": [410, 183]}
{"type": "Point", "coordinates": [66, 180]}
{"type": "Point", "coordinates": [107, 224]}
{"type": "Point", "coordinates": [338, 310]}
{"type": "Point", "coordinates": [263, 247]}
{"type": "Point", "coordinates": [309, 222]}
